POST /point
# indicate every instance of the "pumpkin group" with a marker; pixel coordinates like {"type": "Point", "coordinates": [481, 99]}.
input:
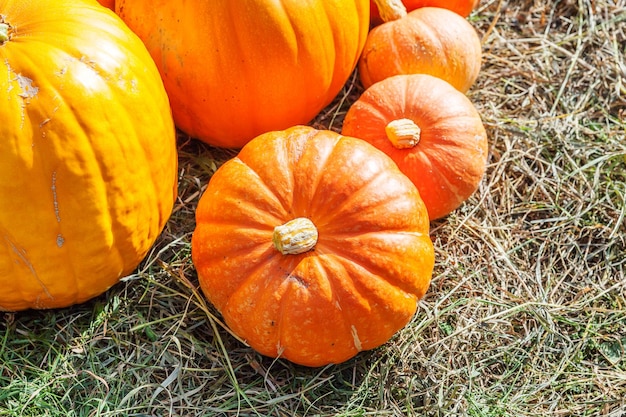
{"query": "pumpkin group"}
{"type": "Point", "coordinates": [87, 181]}
{"type": "Point", "coordinates": [431, 130]}
{"type": "Point", "coordinates": [236, 69]}
{"type": "Point", "coordinates": [427, 40]}
{"type": "Point", "coordinates": [312, 245]}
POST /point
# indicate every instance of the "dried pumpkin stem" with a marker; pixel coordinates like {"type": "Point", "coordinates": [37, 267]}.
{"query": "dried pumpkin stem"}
{"type": "Point", "coordinates": [390, 10]}
{"type": "Point", "coordinates": [403, 133]}
{"type": "Point", "coordinates": [296, 236]}
{"type": "Point", "coordinates": [4, 32]}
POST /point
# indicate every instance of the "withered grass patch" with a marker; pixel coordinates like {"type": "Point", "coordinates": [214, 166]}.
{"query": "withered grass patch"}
{"type": "Point", "coordinates": [526, 315]}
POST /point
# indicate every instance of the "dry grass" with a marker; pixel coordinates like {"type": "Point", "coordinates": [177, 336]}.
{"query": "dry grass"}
{"type": "Point", "coordinates": [526, 315]}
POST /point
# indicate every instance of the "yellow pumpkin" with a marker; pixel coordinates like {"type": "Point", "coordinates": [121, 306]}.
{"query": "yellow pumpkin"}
{"type": "Point", "coordinates": [88, 165]}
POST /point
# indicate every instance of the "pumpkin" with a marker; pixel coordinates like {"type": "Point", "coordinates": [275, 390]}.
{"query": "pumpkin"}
{"type": "Point", "coordinates": [428, 40]}
{"type": "Point", "coordinates": [108, 3]}
{"type": "Point", "coordinates": [462, 7]}
{"type": "Point", "coordinates": [312, 245]}
{"type": "Point", "coordinates": [432, 131]}
{"type": "Point", "coordinates": [234, 70]}
{"type": "Point", "coordinates": [88, 164]}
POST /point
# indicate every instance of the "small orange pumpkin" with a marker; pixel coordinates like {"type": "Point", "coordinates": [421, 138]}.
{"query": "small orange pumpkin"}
{"type": "Point", "coordinates": [462, 7]}
{"type": "Point", "coordinates": [428, 40]}
{"type": "Point", "coordinates": [312, 245]}
{"type": "Point", "coordinates": [431, 130]}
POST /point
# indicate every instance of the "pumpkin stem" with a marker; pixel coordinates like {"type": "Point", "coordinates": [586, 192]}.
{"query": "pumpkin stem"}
{"type": "Point", "coordinates": [296, 236]}
{"type": "Point", "coordinates": [403, 133]}
{"type": "Point", "coordinates": [390, 9]}
{"type": "Point", "coordinates": [4, 33]}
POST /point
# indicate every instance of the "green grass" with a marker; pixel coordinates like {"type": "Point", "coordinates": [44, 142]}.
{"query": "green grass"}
{"type": "Point", "coordinates": [526, 313]}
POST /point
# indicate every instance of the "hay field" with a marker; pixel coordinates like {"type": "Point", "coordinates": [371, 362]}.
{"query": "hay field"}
{"type": "Point", "coordinates": [526, 314]}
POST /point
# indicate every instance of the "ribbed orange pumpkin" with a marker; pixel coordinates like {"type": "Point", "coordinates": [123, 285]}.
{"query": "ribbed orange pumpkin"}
{"type": "Point", "coordinates": [236, 69]}
{"type": "Point", "coordinates": [313, 246]}
{"type": "Point", "coordinates": [428, 40]}
{"type": "Point", "coordinates": [88, 165]}
{"type": "Point", "coordinates": [462, 7]}
{"type": "Point", "coordinates": [432, 131]}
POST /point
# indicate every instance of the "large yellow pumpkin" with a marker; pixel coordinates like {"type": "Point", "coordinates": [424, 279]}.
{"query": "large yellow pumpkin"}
{"type": "Point", "coordinates": [237, 68]}
{"type": "Point", "coordinates": [88, 163]}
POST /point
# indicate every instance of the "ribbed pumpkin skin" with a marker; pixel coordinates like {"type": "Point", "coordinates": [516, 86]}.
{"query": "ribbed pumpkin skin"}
{"type": "Point", "coordinates": [236, 69]}
{"type": "Point", "coordinates": [87, 153]}
{"type": "Point", "coordinates": [357, 287]}
{"type": "Point", "coordinates": [461, 7]}
{"type": "Point", "coordinates": [428, 40]}
{"type": "Point", "coordinates": [450, 159]}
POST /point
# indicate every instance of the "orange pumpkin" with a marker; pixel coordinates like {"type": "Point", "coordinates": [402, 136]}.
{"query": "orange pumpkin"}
{"type": "Point", "coordinates": [432, 132]}
{"type": "Point", "coordinates": [108, 3]}
{"type": "Point", "coordinates": [462, 7]}
{"type": "Point", "coordinates": [428, 40]}
{"type": "Point", "coordinates": [313, 246]}
{"type": "Point", "coordinates": [234, 70]}
{"type": "Point", "coordinates": [88, 164]}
